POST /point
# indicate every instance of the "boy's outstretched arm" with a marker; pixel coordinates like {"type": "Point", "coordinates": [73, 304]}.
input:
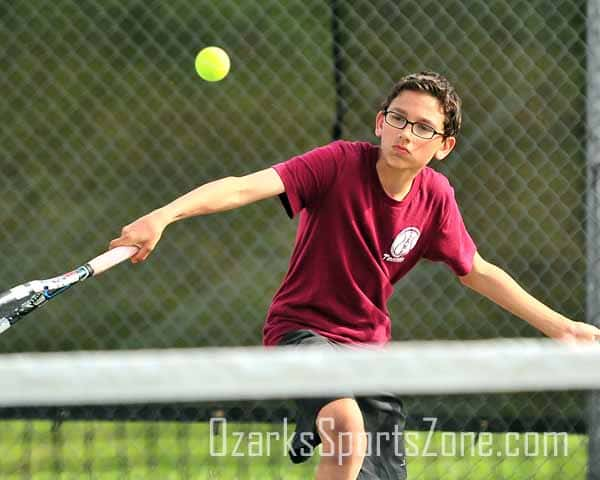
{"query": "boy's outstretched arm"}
{"type": "Point", "coordinates": [218, 196]}
{"type": "Point", "coordinates": [495, 284]}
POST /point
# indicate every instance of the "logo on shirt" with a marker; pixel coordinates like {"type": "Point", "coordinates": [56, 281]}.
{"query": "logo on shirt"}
{"type": "Point", "coordinates": [402, 244]}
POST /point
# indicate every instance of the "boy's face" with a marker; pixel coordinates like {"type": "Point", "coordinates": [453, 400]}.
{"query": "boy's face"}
{"type": "Point", "coordinates": [400, 147]}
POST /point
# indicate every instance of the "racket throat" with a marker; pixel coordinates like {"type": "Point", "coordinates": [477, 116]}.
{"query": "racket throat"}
{"type": "Point", "coordinates": [48, 294]}
{"type": "Point", "coordinates": [78, 275]}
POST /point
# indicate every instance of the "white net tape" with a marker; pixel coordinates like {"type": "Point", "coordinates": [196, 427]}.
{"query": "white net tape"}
{"type": "Point", "coordinates": [254, 373]}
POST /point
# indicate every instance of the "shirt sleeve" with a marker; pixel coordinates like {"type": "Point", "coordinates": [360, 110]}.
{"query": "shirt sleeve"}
{"type": "Point", "coordinates": [451, 242]}
{"type": "Point", "coordinates": [308, 177]}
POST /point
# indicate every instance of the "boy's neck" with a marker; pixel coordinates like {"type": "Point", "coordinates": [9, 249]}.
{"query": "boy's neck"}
{"type": "Point", "coordinates": [395, 182]}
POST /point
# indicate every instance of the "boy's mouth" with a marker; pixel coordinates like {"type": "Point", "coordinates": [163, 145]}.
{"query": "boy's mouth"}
{"type": "Point", "coordinates": [401, 149]}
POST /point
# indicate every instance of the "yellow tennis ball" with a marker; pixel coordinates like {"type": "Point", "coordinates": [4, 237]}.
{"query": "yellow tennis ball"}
{"type": "Point", "coordinates": [212, 64]}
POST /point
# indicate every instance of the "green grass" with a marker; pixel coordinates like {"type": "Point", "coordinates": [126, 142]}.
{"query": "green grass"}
{"type": "Point", "coordinates": [175, 451]}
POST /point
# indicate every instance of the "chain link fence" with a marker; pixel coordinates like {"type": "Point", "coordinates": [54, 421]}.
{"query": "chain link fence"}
{"type": "Point", "coordinates": [104, 119]}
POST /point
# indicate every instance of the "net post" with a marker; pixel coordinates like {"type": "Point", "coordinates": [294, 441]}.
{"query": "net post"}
{"type": "Point", "coordinates": [593, 216]}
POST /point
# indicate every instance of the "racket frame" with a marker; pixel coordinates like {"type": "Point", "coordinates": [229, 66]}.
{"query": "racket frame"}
{"type": "Point", "coordinates": [38, 292]}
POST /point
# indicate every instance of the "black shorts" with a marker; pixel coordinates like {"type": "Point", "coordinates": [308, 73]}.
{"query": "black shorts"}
{"type": "Point", "coordinates": [383, 415]}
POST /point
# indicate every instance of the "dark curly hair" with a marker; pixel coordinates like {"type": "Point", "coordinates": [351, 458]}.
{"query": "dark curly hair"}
{"type": "Point", "coordinates": [439, 87]}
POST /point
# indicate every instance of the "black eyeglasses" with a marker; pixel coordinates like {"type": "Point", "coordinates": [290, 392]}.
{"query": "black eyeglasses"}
{"type": "Point", "coordinates": [421, 130]}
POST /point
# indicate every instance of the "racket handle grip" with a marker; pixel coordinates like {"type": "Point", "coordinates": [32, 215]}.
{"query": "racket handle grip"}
{"type": "Point", "coordinates": [111, 258]}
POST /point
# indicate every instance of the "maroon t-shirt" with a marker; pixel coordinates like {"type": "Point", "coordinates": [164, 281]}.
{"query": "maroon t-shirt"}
{"type": "Point", "coordinates": [354, 242]}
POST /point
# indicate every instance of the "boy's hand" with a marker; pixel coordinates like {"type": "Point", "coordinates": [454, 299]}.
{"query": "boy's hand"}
{"type": "Point", "coordinates": [579, 332]}
{"type": "Point", "coordinates": [144, 233]}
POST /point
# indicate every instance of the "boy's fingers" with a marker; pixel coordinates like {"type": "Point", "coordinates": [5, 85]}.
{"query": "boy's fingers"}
{"type": "Point", "coordinates": [121, 241]}
{"type": "Point", "coordinates": [142, 254]}
{"type": "Point", "coordinates": [115, 243]}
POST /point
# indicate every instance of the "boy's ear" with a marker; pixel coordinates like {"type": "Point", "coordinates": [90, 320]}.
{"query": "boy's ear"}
{"type": "Point", "coordinates": [378, 124]}
{"type": "Point", "coordinates": [448, 145]}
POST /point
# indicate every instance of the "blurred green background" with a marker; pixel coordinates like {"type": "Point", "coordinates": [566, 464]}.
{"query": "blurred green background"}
{"type": "Point", "coordinates": [104, 119]}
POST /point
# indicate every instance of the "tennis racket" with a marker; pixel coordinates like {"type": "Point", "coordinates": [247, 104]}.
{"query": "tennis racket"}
{"type": "Point", "coordinates": [25, 298]}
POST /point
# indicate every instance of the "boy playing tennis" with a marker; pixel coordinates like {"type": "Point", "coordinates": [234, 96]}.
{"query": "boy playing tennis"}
{"type": "Point", "coordinates": [367, 215]}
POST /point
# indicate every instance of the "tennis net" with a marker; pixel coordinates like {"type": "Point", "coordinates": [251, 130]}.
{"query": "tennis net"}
{"type": "Point", "coordinates": [478, 409]}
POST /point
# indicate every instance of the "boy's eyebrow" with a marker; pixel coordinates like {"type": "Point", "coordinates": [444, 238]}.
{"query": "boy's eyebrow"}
{"type": "Point", "coordinates": [419, 120]}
